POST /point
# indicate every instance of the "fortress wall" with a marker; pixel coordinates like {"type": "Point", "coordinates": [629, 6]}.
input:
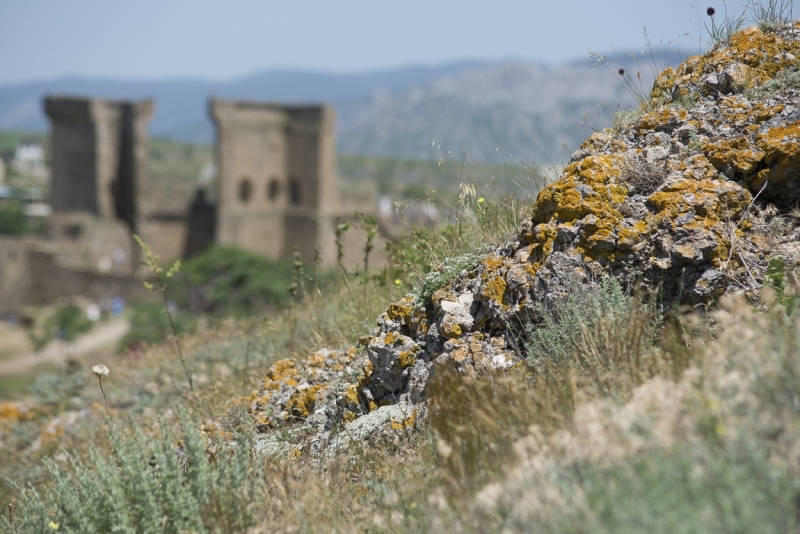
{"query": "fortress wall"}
{"type": "Point", "coordinates": [50, 281]}
{"type": "Point", "coordinates": [15, 278]}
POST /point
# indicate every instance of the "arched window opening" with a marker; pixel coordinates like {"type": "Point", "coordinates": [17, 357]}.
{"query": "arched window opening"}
{"type": "Point", "coordinates": [294, 192]}
{"type": "Point", "coordinates": [245, 190]}
{"type": "Point", "coordinates": [273, 189]}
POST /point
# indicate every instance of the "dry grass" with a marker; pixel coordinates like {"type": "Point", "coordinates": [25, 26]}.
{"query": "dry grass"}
{"type": "Point", "coordinates": [642, 176]}
{"type": "Point", "coordinates": [578, 452]}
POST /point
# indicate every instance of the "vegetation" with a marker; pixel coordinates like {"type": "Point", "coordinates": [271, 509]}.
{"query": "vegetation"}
{"type": "Point", "coordinates": [217, 283]}
{"type": "Point", "coordinates": [9, 140]}
{"type": "Point", "coordinates": [66, 324]}
{"type": "Point", "coordinates": [191, 492]}
{"type": "Point", "coordinates": [230, 281]}
{"type": "Point", "coordinates": [621, 419]}
{"type": "Point", "coordinates": [423, 181]}
{"type": "Point", "coordinates": [177, 162]}
{"type": "Point", "coordinates": [150, 325]}
{"type": "Point", "coordinates": [598, 457]}
{"type": "Point", "coordinates": [723, 31]}
{"type": "Point", "coordinates": [12, 218]}
{"type": "Point", "coordinates": [786, 79]}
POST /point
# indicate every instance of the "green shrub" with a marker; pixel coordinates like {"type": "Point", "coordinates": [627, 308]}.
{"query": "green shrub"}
{"type": "Point", "coordinates": [445, 273]}
{"type": "Point", "coordinates": [785, 80]}
{"type": "Point", "coordinates": [776, 278]}
{"type": "Point", "coordinates": [227, 280]}
{"type": "Point", "coordinates": [149, 485]}
{"type": "Point", "coordinates": [12, 218]}
{"type": "Point", "coordinates": [777, 13]}
{"type": "Point", "coordinates": [62, 388]}
{"type": "Point", "coordinates": [557, 336]}
{"type": "Point", "coordinates": [67, 323]}
{"type": "Point", "coordinates": [678, 492]}
{"type": "Point", "coordinates": [150, 324]}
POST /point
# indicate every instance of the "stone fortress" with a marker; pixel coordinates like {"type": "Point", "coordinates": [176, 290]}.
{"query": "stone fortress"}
{"type": "Point", "coordinates": [276, 189]}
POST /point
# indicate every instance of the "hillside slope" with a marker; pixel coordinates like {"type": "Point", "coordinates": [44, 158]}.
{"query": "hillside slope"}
{"type": "Point", "coordinates": [619, 355]}
{"type": "Point", "coordinates": [683, 200]}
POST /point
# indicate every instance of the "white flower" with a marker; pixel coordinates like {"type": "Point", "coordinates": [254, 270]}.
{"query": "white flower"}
{"type": "Point", "coordinates": [100, 370]}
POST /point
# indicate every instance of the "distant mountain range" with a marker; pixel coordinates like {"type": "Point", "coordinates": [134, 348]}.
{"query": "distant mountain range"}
{"type": "Point", "coordinates": [530, 110]}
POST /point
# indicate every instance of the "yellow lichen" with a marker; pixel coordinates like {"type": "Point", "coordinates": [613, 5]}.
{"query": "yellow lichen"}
{"type": "Point", "coordinates": [495, 289]}
{"type": "Point", "coordinates": [401, 311]}
{"type": "Point", "coordinates": [698, 167]}
{"type": "Point", "coordinates": [302, 402]}
{"type": "Point", "coordinates": [658, 118]}
{"type": "Point", "coordinates": [737, 153]}
{"type": "Point", "coordinates": [596, 141]}
{"type": "Point", "coordinates": [10, 412]}
{"type": "Point", "coordinates": [781, 149]}
{"type": "Point", "coordinates": [750, 47]}
{"type": "Point", "coordinates": [406, 358]}
{"type": "Point", "coordinates": [450, 329]}
{"type": "Point", "coordinates": [282, 369]}
{"type": "Point", "coordinates": [408, 422]}
{"type": "Point", "coordinates": [493, 262]}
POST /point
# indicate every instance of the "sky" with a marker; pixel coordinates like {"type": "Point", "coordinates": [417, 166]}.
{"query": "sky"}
{"type": "Point", "coordinates": [221, 40]}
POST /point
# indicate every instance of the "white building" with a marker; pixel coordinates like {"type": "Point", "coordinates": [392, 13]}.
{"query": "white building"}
{"type": "Point", "coordinates": [29, 154]}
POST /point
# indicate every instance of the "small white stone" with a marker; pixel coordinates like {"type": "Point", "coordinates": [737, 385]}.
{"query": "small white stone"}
{"type": "Point", "coordinates": [448, 306]}
{"type": "Point", "coordinates": [499, 361]}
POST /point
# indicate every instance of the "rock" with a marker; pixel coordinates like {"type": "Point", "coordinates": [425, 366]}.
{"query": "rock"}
{"type": "Point", "coordinates": [655, 154]}
{"type": "Point", "coordinates": [391, 355]}
{"type": "Point", "coordinates": [696, 232]}
{"type": "Point", "coordinates": [383, 421]}
{"type": "Point", "coordinates": [456, 318]}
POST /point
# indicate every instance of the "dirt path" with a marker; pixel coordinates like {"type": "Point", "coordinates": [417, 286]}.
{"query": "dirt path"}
{"type": "Point", "coordinates": [104, 335]}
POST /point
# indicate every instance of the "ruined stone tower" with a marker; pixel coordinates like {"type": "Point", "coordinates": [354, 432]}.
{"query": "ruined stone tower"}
{"type": "Point", "coordinates": [277, 177]}
{"type": "Point", "coordinates": [99, 186]}
{"type": "Point", "coordinates": [99, 157]}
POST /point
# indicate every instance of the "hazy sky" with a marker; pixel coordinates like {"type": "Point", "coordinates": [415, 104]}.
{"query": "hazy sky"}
{"type": "Point", "coordinates": [223, 39]}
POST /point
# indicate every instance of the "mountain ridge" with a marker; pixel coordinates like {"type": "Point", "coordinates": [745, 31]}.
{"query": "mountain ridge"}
{"type": "Point", "coordinates": [393, 112]}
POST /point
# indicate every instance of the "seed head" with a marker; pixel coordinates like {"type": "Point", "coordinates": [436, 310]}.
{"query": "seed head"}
{"type": "Point", "coordinates": [621, 72]}
{"type": "Point", "coordinates": [100, 370]}
{"type": "Point", "coordinates": [711, 11]}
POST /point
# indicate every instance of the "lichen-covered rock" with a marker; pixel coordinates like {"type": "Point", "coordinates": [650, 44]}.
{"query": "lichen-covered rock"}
{"type": "Point", "coordinates": [685, 200]}
{"type": "Point", "coordinates": [300, 393]}
{"type": "Point", "coordinates": [391, 355]}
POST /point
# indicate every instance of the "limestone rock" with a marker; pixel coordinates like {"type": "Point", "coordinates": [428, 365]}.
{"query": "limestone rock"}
{"type": "Point", "coordinates": [391, 355]}
{"type": "Point", "coordinates": [726, 164]}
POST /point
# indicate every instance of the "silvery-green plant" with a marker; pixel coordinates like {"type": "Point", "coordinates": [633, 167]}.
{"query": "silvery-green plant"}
{"type": "Point", "coordinates": [773, 15]}
{"type": "Point", "coordinates": [149, 485]}
{"type": "Point", "coordinates": [444, 274]}
{"type": "Point", "coordinates": [723, 31]}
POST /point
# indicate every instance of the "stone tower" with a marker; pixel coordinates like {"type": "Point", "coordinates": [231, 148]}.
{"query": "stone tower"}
{"type": "Point", "coordinates": [99, 157]}
{"type": "Point", "coordinates": [277, 177]}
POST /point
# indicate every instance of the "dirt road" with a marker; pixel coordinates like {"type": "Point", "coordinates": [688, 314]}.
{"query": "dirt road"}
{"type": "Point", "coordinates": [105, 334]}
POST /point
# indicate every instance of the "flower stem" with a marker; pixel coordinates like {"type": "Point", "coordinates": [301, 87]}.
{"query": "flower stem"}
{"type": "Point", "coordinates": [100, 379]}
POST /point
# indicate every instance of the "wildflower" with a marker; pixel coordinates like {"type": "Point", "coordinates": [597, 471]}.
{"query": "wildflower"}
{"type": "Point", "coordinates": [480, 200]}
{"type": "Point", "coordinates": [53, 525]}
{"type": "Point", "coordinates": [101, 371]}
{"type": "Point", "coordinates": [397, 282]}
{"type": "Point", "coordinates": [711, 11]}
{"type": "Point", "coordinates": [621, 71]}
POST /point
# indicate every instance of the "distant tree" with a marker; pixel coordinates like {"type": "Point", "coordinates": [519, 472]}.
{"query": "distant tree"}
{"type": "Point", "coordinates": [12, 218]}
{"type": "Point", "coordinates": [66, 324]}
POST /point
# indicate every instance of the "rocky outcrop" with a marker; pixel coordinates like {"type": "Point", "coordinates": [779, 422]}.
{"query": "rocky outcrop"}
{"type": "Point", "coordinates": [686, 200]}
